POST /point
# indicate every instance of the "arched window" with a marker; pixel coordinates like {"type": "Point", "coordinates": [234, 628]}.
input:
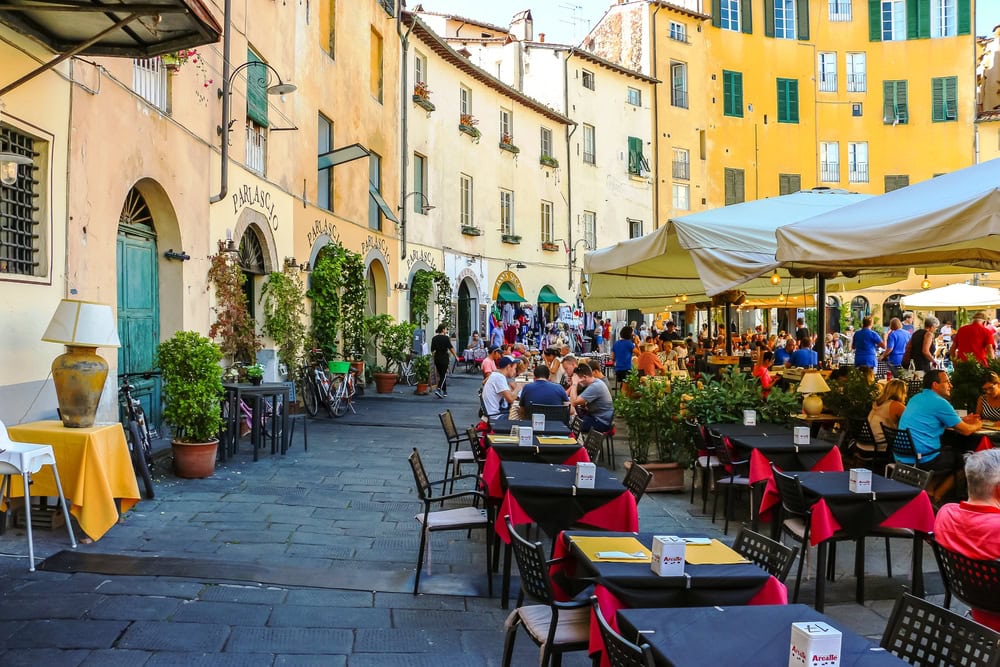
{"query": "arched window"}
{"type": "Point", "coordinates": [860, 309]}
{"type": "Point", "coordinates": [251, 260]}
{"type": "Point", "coordinates": [892, 308]}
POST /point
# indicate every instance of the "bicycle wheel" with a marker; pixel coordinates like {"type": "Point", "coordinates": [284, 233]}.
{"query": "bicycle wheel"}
{"type": "Point", "coordinates": [310, 399]}
{"type": "Point", "coordinates": [341, 401]}
{"type": "Point", "coordinates": [273, 419]}
{"type": "Point", "coordinates": [139, 463]}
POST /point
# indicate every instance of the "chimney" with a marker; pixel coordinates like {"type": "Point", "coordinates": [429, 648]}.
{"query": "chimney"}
{"type": "Point", "coordinates": [541, 37]}
{"type": "Point", "coordinates": [522, 26]}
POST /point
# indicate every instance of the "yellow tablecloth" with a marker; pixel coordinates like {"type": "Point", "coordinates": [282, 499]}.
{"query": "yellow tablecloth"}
{"type": "Point", "coordinates": [591, 546]}
{"type": "Point", "coordinates": [94, 466]}
{"type": "Point", "coordinates": [715, 553]}
{"type": "Point", "coordinates": [556, 440]}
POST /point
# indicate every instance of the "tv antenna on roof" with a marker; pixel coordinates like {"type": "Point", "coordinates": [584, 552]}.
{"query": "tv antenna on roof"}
{"type": "Point", "coordinates": [575, 19]}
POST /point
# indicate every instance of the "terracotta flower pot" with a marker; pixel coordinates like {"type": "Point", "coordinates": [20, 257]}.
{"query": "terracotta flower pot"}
{"type": "Point", "coordinates": [384, 382]}
{"type": "Point", "coordinates": [422, 388]}
{"type": "Point", "coordinates": [194, 460]}
{"type": "Point", "coordinates": [667, 477]}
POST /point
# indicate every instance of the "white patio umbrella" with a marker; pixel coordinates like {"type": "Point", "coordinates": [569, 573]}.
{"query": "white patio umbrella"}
{"type": "Point", "coordinates": [958, 295]}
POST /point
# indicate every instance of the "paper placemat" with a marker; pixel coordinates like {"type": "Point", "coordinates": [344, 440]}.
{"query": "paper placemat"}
{"type": "Point", "coordinates": [590, 546]}
{"type": "Point", "coordinates": [556, 440]}
{"type": "Point", "coordinates": [504, 439]}
{"type": "Point", "coordinates": [715, 553]}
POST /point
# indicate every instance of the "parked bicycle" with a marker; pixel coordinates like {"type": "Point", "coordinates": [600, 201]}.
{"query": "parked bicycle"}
{"type": "Point", "coordinates": [343, 390]}
{"type": "Point", "coordinates": [268, 419]}
{"type": "Point", "coordinates": [315, 384]}
{"type": "Point", "coordinates": [138, 432]}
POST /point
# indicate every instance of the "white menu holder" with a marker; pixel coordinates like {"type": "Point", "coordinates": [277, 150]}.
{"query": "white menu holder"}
{"type": "Point", "coordinates": [586, 475]}
{"type": "Point", "coordinates": [800, 435]}
{"type": "Point", "coordinates": [814, 644]}
{"type": "Point", "coordinates": [860, 480]}
{"type": "Point", "coordinates": [524, 436]}
{"type": "Point", "coordinates": [668, 556]}
{"type": "Point", "coordinates": [515, 431]}
{"type": "Point", "coordinates": [749, 417]}
{"type": "Point", "coordinates": [538, 422]}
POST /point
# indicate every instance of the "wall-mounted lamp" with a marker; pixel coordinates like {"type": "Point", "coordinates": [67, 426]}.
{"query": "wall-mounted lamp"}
{"type": "Point", "coordinates": [230, 247]}
{"type": "Point", "coordinates": [516, 265]}
{"type": "Point", "coordinates": [9, 163]}
{"type": "Point", "coordinates": [401, 287]}
{"type": "Point", "coordinates": [305, 268]}
{"type": "Point", "coordinates": [290, 263]}
{"type": "Point", "coordinates": [180, 256]}
{"type": "Point", "coordinates": [426, 204]}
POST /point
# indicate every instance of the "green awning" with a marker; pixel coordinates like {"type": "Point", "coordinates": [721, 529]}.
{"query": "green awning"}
{"type": "Point", "coordinates": [548, 295]}
{"type": "Point", "coordinates": [509, 294]}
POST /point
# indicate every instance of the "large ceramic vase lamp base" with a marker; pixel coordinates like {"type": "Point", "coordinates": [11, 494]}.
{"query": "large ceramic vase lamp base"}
{"type": "Point", "coordinates": [812, 405]}
{"type": "Point", "coordinates": [79, 377]}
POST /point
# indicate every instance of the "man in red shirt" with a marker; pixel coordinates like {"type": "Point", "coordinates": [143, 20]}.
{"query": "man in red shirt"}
{"type": "Point", "coordinates": [972, 527]}
{"type": "Point", "coordinates": [973, 339]}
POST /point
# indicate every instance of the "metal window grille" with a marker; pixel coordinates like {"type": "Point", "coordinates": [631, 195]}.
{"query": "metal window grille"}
{"type": "Point", "coordinates": [829, 171]}
{"type": "Point", "coordinates": [256, 147]}
{"type": "Point", "coordinates": [19, 240]}
{"type": "Point", "coordinates": [856, 82]}
{"type": "Point", "coordinates": [681, 169]}
{"type": "Point", "coordinates": [840, 10]}
{"type": "Point", "coordinates": [149, 81]}
{"type": "Point", "coordinates": [858, 172]}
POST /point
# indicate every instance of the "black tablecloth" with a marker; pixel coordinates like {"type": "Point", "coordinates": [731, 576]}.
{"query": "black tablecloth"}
{"type": "Point", "coordinates": [737, 430]}
{"type": "Point", "coordinates": [546, 492]}
{"type": "Point", "coordinates": [552, 427]}
{"type": "Point", "coordinates": [537, 454]}
{"type": "Point", "coordinates": [751, 636]}
{"type": "Point", "coordinates": [635, 584]}
{"type": "Point", "coordinates": [781, 450]}
{"type": "Point", "coordinates": [857, 513]}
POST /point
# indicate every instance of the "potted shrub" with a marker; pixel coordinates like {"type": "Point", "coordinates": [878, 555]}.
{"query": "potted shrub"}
{"type": "Point", "coordinates": [394, 346]}
{"type": "Point", "coordinates": [234, 328]}
{"type": "Point", "coordinates": [422, 373]}
{"type": "Point", "coordinates": [255, 374]}
{"type": "Point", "coordinates": [385, 380]}
{"type": "Point", "coordinates": [192, 395]}
{"type": "Point", "coordinates": [851, 397]}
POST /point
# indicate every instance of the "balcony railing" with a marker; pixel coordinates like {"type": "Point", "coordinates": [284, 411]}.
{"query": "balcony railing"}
{"type": "Point", "coordinates": [828, 82]}
{"type": "Point", "coordinates": [256, 148]}
{"type": "Point", "coordinates": [858, 172]}
{"type": "Point", "coordinates": [857, 82]}
{"type": "Point", "coordinates": [679, 97]}
{"type": "Point", "coordinates": [149, 81]}
{"type": "Point", "coordinates": [840, 10]}
{"type": "Point", "coordinates": [682, 169]}
{"type": "Point", "coordinates": [829, 171]}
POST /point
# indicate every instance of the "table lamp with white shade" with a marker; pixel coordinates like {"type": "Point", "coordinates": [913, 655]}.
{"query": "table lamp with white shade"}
{"type": "Point", "coordinates": [80, 373]}
{"type": "Point", "coordinates": [812, 385]}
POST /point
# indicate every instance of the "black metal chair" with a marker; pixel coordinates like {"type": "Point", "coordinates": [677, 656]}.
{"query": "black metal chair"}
{"type": "Point", "coordinates": [636, 480]}
{"type": "Point", "coordinates": [703, 463]}
{"type": "Point", "coordinates": [456, 457]}
{"type": "Point", "coordinates": [773, 557]}
{"type": "Point", "coordinates": [732, 475]}
{"type": "Point", "coordinates": [461, 518]}
{"type": "Point", "coordinates": [913, 387]}
{"type": "Point", "coordinates": [593, 442]}
{"type": "Point", "coordinates": [557, 627]}
{"type": "Point", "coordinates": [974, 582]}
{"type": "Point", "coordinates": [924, 634]}
{"type": "Point", "coordinates": [797, 519]}
{"type": "Point", "coordinates": [900, 443]}
{"type": "Point", "coordinates": [620, 651]}
{"type": "Point", "coordinates": [910, 476]}
{"type": "Point", "coordinates": [559, 413]}
{"type": "Point", "coordinates": [866, 450]}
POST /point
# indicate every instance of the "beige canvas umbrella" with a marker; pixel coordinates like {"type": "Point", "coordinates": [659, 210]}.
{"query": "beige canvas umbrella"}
{"type": "Point", "coordinates": [958, 295]}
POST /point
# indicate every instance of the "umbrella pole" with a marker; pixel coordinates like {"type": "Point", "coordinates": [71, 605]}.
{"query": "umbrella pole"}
{"type": "Point", "coordinates": [820, 345]}
{"type": "Point", "coordinates": [729, 337]}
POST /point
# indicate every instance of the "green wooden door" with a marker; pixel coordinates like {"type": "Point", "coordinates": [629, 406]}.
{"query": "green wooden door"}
{"type": "Point", "coordinates": [138, 302]}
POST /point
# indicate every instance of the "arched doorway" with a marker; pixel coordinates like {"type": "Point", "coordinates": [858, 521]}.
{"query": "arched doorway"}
{"type": "Point", "coordinates": [860, 309]}
{"type": "Point", "coordinates": [892, 308]}
{"type": "Point", "coordinates": [468, 307]}
{"type": "Point", "coordinates": [252, 262]}
{"type": "Point", "coordinates": [138, 299]}
{"type": "Point", "coordinates": [832, 314]}
{"type": "Point", "coordinates": [376, 283]}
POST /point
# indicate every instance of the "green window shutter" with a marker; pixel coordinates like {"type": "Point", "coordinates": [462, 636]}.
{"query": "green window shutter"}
{"type": "Point", "coordinates": [634, 155]}
{"type": "Point", "coordinates": [951, 97]}
{"type": "Point", "coordinates": [964, 17]}
{"type": "Point", "coordinates": [802, 19]}
{"type": "Point", "coordinates": [746, 16]}
{"type": "Point", "coordinates": [769, 18]}
{"type": "Point", "coordinates": [256, 91]}
{"type": "Point", "coordinates": [738, 94]}
{"type": "Point", "coordinates": [901, 103]}
{"type": "Point", "coordinates": [912, 14]}
{"type": "Point", "coordinates": [937, 100]}
{"type": "Point", "coordinates": [730, 181]}
{"type": "Point", "coordinates": [874, 21]}
{"type": "Point", "coordinates": [788, 101]}
{"type": "Point", "coordinates": [717, 13]}
{"type": "Point", "coordinates": [924, 19]}
{"type": "Point", "coordinates": [889, 102]}
{"type": "Point", "coordinates": [739, 189]}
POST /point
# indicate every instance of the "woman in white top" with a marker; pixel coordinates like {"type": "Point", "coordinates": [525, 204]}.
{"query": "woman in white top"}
{"type": "Point", "coordinates": [887, 409]}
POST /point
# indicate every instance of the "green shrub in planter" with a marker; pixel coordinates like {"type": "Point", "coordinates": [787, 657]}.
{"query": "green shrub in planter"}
{"type": "Point", "coordinates": [192, 386]}
{"type": "Point", "coordinates": [422, 369]}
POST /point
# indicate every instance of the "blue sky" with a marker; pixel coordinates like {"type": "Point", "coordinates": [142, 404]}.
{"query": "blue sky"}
{"type": "Point", "coordinates": [568, 21]}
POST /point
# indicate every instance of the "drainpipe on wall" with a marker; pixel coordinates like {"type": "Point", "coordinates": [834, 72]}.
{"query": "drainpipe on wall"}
{"type": "Point", "coordinates": [656, 127]}
{"type": "Point", "coordinates": [404, 40]}
{"type": "Point", "coordinates": [570, 131]}
{"type": "Point", "coordinates": [227, 40]}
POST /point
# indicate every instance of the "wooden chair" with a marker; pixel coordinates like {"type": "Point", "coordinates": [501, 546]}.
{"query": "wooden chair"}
{"type": "Point", "coordinates": [974, 582]}
{"type": "Point", "coordinates": [636, 480]}
{"type": "Point", "coordinates": [731, 476]}
{"type": "Point", "coordinates": [704, 463]}
{"type": "Point", "coordinates": [557, 627]}
{"type": "Point", "coordinates": [924, 634]}
{"type": "Point", "coordinates": [456, 457]}
{"type": "Point", "coordinates": [773, 557]}
{"type": "Point", "coordinates": [620, 651]}
{"type": "Point", "coordinates": [461, 518]}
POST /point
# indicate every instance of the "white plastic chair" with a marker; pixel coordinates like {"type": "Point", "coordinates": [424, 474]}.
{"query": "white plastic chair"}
{"type": "Point", "coordinates": [25, 459]}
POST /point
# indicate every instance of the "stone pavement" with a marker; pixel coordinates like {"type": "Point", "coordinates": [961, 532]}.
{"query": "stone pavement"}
{"type": "Point", "coordinates": [307, 559]}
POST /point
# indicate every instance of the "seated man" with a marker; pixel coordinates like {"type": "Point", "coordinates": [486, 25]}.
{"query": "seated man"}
{"type": "Point", "coordinates": [490, 362]}
{"type": "Point", "coordinates": [497, 393]}
{"type": "Point", "coordinates": [593, 396]}
{"type": "Point", "coordinates": [783, 354]}
{"type": "Point", "coordinates": [805, 356]}
{"type": "Point", "coordinates": [648, 362]}
{"type": "Point", "coordinates": [972, 527]}
{"type": "Point", "coordinates": [927, 415]}
{"type": "Point", "coordinates": [541, 392]}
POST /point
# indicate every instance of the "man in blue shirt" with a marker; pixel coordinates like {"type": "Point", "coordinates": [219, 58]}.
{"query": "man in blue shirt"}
{"type": "Point", "coordinates": [895, 344]}
{"type": "Point", "coordinates": [541, 392]}
{"type": "Point", "coordinates": [783, 354]}
{"type": "Point", "coordinates": [927, 415]}
{"type": "Point", "coordinates": [866, 344]}
{"type": "Point", "coordinates": [621, 353]}
{"type": "Point", "coordinates": [805, 356]}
